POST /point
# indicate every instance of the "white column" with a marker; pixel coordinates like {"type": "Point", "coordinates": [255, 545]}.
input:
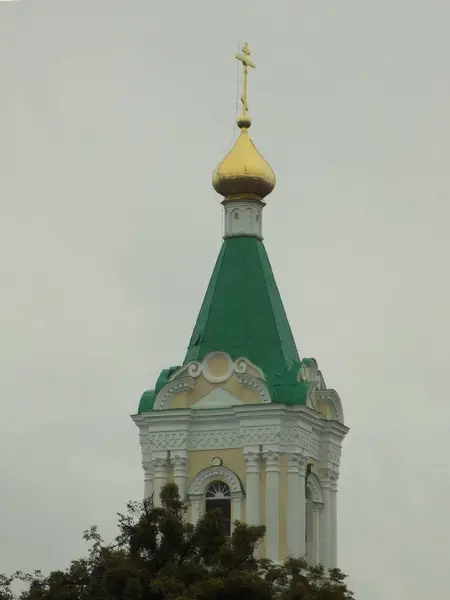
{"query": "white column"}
{"type": "Point", "coordinates": [148, 479]}
{"type": "Point", "coordinates": [325, 527]}
{"type": "Point", "coordinates": [272, 538]}
{"type": "Point", "coordinates": [160, 471]}
{"type": "Point", "coordinates": [295, 518]}
{"type": "Point", "coordinates": [309, 531]}
{"type": "Point", "coordinates": [253, 487]}
{"type": "Point", "coordinates": [316, 510]}
{"type": "Point", "coordinates": [195, 502]}
{"type": "Point", "coordinates": [236, 508]}
{"type": "Point", "coordinates": [180, 473]}
{"type": "Point", "coordinates": [333, 520]}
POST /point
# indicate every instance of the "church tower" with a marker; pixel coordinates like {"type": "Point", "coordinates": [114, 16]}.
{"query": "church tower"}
{"type": "Point", "coordinates": [243, 423]}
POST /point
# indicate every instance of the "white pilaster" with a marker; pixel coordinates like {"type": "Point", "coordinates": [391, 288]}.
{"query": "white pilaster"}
{"type": "Point", "coordinates": [315, 545]}
{"type": "Point", "coordinates": [180, 472]}
{"type": "Point", "coordinates": [333, 519]}
{"type": "Point", "coordinates": [148, 479]}
{"type": "Point", "coordinates": [272, 538]}
{"type": "Point", "coordinates": [253, 487]}
{"type": "Point", "coordinates": [325, 526]}
{"type": "Point", "coordinates": [295, 518]}
{"type": "Point", "coordinates": [194, 510]}
{"type": "Point", "coordinates": [236, 508]}
{"type": "Point", "coordinates": [160, 466]}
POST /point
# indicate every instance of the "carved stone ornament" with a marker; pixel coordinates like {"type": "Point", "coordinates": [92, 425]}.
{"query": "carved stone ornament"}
{"type": "Point", "coordinates": [252, 462]}
{"type": "Point", "coordinates": [179, 463]}
{"type": "Point", "coordinates": [329, 475]}
{"type": "Point", "coordinates": [272, 460]}
{"type": "Point", "coordinates": [297, 463]}
{"type": "Point", "coordinates": [207, 476]}
{"type": "Point", "coordinates": [212, 440]}
{"type": "Point", "coordinates": [256, 384]}
{"type": "Point", "coordinates": [331, 398]}
{"type": "Point", "coordinates": [171, 389]}
{"type": "Point", "coordinates": [159, 466]}
{"type": "Point", "coordinates": [169, 440]}
{"type": "Point", "coordinates": [315, 488]}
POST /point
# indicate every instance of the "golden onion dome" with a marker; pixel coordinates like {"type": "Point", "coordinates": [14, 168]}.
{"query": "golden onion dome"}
{"type": "Point", "coordinates": [243, 173]}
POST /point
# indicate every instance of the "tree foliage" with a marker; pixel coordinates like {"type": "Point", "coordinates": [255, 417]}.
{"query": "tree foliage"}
{"type": "Point", "coordinates": [158, 555]}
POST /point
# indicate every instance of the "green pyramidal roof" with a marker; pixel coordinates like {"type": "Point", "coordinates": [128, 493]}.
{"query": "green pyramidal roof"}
{"type": "Point", "coordinates": [242, 314]}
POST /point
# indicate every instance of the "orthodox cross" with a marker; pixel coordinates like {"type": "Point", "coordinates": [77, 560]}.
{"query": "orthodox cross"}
{"type": "Point", "coordinates": [246, 62]}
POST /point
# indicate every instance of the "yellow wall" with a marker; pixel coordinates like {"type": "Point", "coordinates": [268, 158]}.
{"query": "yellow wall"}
{"type": "Point", "coordinates": [233, 459]}
{"type": "Point", "coordinates": [203, 387]}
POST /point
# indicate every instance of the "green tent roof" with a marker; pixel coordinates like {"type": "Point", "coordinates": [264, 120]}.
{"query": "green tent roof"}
{"type": "Point", "coordinates": [242, 314]}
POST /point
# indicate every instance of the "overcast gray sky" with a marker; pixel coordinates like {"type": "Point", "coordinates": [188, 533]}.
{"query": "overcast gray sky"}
{"type": "Point", "coordinates": [113, 115]}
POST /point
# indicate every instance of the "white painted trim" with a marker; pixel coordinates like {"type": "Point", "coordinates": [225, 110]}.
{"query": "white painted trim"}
{"type": "Point", "coordinates": [203, 479]}
{"type": "Point", "coordinates": [315, 487]}
{"type": "Point", "coordinates": [242, 217]}
{"type": "Point", "coordinates": [331, 397]}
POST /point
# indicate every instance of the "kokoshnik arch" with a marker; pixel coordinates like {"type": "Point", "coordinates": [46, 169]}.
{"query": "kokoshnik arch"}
{"type": "Point", "coordinates": [244, 424]}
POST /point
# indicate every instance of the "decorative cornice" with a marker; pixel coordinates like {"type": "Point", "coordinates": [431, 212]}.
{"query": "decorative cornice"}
{"type": "Point", "coordinates": [169, 440]}
{"type": "Point", "coordinates": [210, 440]}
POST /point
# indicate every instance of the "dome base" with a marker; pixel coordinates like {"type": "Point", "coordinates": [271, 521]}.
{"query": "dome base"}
{"type": "Point", "coordinates": [243, 218]}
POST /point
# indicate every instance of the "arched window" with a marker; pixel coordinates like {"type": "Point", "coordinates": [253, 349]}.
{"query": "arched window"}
{"type": "Point", "coordinates": [218, 495]}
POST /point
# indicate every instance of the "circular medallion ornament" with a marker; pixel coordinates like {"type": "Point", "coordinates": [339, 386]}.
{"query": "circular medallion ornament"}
{"type": "Point", "coordinates": [216, 461]}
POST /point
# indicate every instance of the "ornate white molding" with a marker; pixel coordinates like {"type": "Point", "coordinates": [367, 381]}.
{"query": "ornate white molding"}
{"type": "Point", "coordinates": [310, 372]}
{"type": "Point", "coordinates": [296, 436]}
{"type": "Point", "coordinates": [242, 217]}
{"type": "Point", "coordinates": [329, 476]}
{"type": "Point", "coordinates": [315, 487]}
{"type": "Point", "coordinates": [252, 461]}
{"type": "Point", "coordinates": [159, 466]}
{"type": "Point", "coordinates": [256, 384]}
{"type": "Point", "coordinates": [207, 476]}
{"type": "Point", "coordinates": [148, 469]}
{"type": "Point", "coordinates": [297, 463]}
{"type": "Point", "coordinates": [171, 389]}
{"type": "Point", "coordinates": [210, 440]}
{"type": "Point", "coordinates": [331, 398]}
{"type": "Point", "coordinates": [169, 440]}
{"type": "Point", "coordinates": [261, 435]}
{"type": "Point", "coordinates": [272, 461]}
{"type": "Point", "coordinates": [180, 464]}
{"type": "Point", "coordinates": [183, 380]}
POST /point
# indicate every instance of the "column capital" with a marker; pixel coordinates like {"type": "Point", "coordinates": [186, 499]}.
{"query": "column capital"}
{"type": "Point", "coordinates": [159, 465]}
{"type": "Point", "coordinates": [329, 476]}
{"type": "Point", "coordinates": [317, 506]}
{"type": "Point", "coordinates": [272, 460]}
{"type": "Point", "coordinates": [179, 463]}
{"type": "Point", "coordinates": [252, 461]}
{"type": "Point", "coordinates": [148, 468]}
{"type": "Point", "coordinates": [297, 463]}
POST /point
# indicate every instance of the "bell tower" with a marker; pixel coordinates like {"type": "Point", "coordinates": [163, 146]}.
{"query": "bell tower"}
{"type": "Point", "coordinates": [244, 424]}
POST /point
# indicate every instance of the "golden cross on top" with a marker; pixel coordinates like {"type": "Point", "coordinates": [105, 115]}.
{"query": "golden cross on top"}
{"type": "Point", "coordinates": [246, 62]}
